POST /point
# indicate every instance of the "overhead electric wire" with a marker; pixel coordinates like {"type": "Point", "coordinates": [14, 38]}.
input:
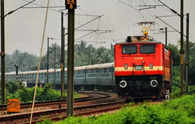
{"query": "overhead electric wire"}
{"type": "Point", "coordinates": [168, 24]}
{"type": "Point", "coordinates": [10, 12]}
{"type": "Point", "coordinates": [127, 4]}
{"type": "Point", "coordinates": [88, 22]}
{"type": "Point", "coordinates": [169, 8]}
{"type": "Point", "coordinates": [86, 15]}
{"type": "Point", "coordinates": [85, 35]}
{"type": "Point", "coordinates": [91, 33]}
{"type": "Point", "coordinates": [40, 60]}
{"type": "Point", "coordinates": [95, 30]}
{"type": "Point", "coordinates": [42, 7]}
{"type": "Point", "coordinates": [82, 25]}
{"type": "Point", "coordinates": [167, 16]}
{"type": "Point", "coordinates": [36, 4]}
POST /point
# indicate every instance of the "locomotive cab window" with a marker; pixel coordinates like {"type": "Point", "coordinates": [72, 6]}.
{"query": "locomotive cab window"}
{"type": "Point", "coordinates": [147, 49]}
{"type": "Point", "coordinates": [129, 49]}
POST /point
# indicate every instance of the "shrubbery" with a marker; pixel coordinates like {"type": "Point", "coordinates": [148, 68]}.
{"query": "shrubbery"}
{"type": "Point", "coordinates": [15, 89]}
{"type": "Point", "coordinates": [177, 111]}
{"type": "Point", "coordinates": [43, 94]}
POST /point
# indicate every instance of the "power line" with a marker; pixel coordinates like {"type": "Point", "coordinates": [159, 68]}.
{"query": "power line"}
{"type": "Point", "coordinates": [89, 22]}
{"type": "Point", "coordinates": [95, 30]}
{"type": "Point", "coordinates": [85, 35]}
{"type": "Point", "coordinates": [169, 8]}
{"type": "Point", "coordinates": [41, 5]}
{"type": "Point", "coordinates": [144, 7]}
{"type": "Point", "coordinates": [167, 24]}
{"type": "Point", "coordinates": [19, 8]}
{"type": "Point", "coordinates": [86, 15]}
{"type": "Point", "coordinates": [127, 4]}
{"type": "Point", "coordinates": [167, 16]}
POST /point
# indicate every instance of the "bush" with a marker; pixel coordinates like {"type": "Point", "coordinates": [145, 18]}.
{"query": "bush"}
{"type": "Point", "coordinates": [43, 94]}
{"type": "Point", "coordinates": [13, 86]}
{"type": "Point", "coordinates": [177, 111]}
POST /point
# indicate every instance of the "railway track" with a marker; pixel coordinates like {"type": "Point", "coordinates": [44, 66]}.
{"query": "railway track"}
{"type": "Point", "coordinates": [98, 102]}
{"type": "Point", "coordinates": [48, 104]}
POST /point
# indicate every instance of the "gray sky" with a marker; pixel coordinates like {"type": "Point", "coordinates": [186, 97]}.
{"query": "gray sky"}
{"type": "Point", "coordinates": [24, 28]}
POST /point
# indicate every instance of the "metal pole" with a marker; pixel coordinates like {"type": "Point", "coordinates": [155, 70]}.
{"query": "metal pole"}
{"type": "Point", "coordinates": [16, 66]}
{"type": "Point", "coordinates": [165, 36]}
{"type": "Point", "coordinates": [65, 45]}
{"type": "Point", "coordinates": [47, 59]}
{"type": "Point", "coordinates": [71, 15]}
{"type": "Point", "coordinates": [55, 64]}
{"type": "Point", "coordinates": [187, 51]}
{"type": "Point", "coordinates": [3, 95]}
{"type": "Point", "coordinates": [182, 49]}
{"type": "Point", "coordinates": [62, 55]}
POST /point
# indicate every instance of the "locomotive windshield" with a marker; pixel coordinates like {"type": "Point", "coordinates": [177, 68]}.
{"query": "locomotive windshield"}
{"type": "Point", "coordinates": [129, 49]}
{"type": "Point", "coordinates": [147, 49]}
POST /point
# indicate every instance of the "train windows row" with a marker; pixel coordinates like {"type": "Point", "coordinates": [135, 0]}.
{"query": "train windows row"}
{"type": "Point", "coordinates": [90, 73]}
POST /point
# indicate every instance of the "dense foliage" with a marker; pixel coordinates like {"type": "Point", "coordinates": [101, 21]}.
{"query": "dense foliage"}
{"type": "Point", "coordinates": [177, 111]}
{"type": "Point", "coordinates": [176, 62]}
{"type": "Point", "coordinates": [16, 89]}
{"type": "Point", "coordinates": [43, 94]}
{"type": "Point", "coordinates": [24, 60]}
{"type": "Point", "coordinates": [84, 55]}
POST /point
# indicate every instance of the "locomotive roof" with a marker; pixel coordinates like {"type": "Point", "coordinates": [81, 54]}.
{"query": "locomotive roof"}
{"type": "Point", "coordinates": [139, 42]}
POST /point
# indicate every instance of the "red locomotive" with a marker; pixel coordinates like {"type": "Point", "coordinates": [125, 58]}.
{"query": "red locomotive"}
{"type": "Point", "coordinates": [142, 69]}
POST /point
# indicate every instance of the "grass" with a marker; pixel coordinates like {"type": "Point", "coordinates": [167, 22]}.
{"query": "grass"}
{"type": "Point", "coordinates": [177, 111]}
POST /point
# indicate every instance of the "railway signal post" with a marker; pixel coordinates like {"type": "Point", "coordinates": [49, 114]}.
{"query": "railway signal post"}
{"type": "Point", "coordinates": [71, 6]}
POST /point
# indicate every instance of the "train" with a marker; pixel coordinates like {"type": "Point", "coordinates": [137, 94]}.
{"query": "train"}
{"type": "Point", "coordinates": [90, 77]}
{"type": "Point", "coordinates": [143, 68]}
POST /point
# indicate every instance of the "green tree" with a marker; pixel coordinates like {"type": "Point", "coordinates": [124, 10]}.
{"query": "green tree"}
{"type": "Point", "coordinates": [192, 64]}
{"type": "Point", "coordinates": [24, 60]}
{"type": "Point", "coordinates": [89, 55]}
{"type": "Point", "coordinates": [103, 55]}
{"type": "Point", "coordinates": [174, 53]}
{"type": "Point", "coordinates": [13, 86]}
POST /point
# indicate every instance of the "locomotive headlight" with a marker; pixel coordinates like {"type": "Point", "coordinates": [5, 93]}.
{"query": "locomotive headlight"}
{"type": "Point", "coordinates": [125, 66]}
{"type": "Point", "coordinates": [151, 66]}
{"type": "Point", "coordinates": [123, 84]}
{"type": "Point", "coordinates": [153, 83]}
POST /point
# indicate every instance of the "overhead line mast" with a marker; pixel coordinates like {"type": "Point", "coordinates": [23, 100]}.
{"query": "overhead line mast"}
{"type": "Point", "coordinates": [71, 5]}
{"type": "Point", "coordinates": [3, 95]}
{"type": "Point", "coordinates": [182, 48]}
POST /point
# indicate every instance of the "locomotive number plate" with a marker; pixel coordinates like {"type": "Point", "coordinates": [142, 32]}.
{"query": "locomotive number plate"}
{"type": "Point", "coordinates": [139, 67]}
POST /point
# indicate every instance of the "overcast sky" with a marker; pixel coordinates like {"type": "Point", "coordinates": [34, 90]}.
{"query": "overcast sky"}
{"type": "Point", "coordinates": [24, 28]}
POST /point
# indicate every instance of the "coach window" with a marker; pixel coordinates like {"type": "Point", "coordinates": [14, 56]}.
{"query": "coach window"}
{"type": "Point", "coordinates": [147, 49]}
{"type": "Point", "coordinates": [129, 49]}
